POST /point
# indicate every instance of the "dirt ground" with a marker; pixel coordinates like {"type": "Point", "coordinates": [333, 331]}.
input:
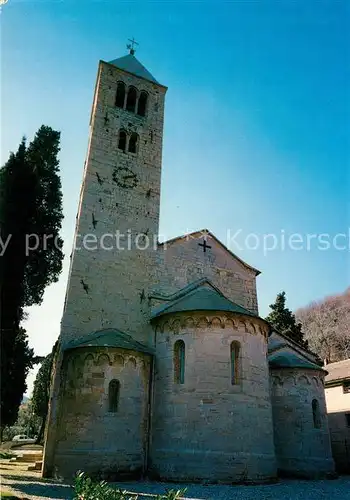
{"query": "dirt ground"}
{"type": "Point", "coordinates": [17, 480]}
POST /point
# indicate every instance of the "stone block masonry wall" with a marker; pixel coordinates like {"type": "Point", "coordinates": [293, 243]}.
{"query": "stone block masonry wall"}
{"type": "Point", "coordinates": [183, 261]}
{"type": "Point", "coordinates": [108, 287]}
{"type": "Point", "coordinates": [338, 408]}
{"type": "Point", "coordinates": [90, 437]}
{"type": "Point", "coordinates": [301, 448]}
{"type": "Point", "coordinates": [207, 428]}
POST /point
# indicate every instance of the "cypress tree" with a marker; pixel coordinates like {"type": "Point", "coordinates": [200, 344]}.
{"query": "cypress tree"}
{"type": "Point", "coordinates": [30, 253]}
{"type": "Point", "coordinates": [41, 391]}
{"type": "Point", "coordinates": [284, 320]}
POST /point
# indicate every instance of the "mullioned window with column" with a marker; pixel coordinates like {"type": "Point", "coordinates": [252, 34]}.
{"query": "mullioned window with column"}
{"type": "Point", "coordinates": [130, 99]}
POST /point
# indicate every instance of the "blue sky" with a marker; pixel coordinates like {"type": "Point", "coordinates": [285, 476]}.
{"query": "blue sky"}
{"type": "Point", "coordinates": [256, 132]}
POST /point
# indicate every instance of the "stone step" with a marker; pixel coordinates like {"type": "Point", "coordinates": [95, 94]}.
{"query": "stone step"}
{"type": "Point", "coordinates": [28, 457]}
{"type": "Point", "coordinates": [37, 466]}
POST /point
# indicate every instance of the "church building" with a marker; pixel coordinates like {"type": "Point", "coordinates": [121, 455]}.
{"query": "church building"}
{"type": "Point", "coordinates": [165, 368]}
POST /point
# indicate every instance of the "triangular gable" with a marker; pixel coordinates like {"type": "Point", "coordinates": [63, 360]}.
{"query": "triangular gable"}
{"type": "Point", "coordinates": [203, 234]}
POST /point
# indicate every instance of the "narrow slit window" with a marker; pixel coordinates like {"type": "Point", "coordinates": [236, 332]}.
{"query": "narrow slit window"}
{"type": "Point", "coordinates": [120, 96]}
{"type": "Point", "coordinates": [133, 143]}
{"type": "Point", "coordinates": [234, 354]}
{"type": "Point", "coordinates": [316, 415]}
{"type": "Point", "coordinates": [179, 362]}
{"type": "Point", "coordinates": [122, 140]}
{"type": "Point", "coordinates": [113, 395]}
{"type": "Point", "coordinates": [131, 99]}
{"type": "Point", "coordinates": [141, 108]}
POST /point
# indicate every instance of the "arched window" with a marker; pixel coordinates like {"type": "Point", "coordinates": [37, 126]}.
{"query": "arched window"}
{"type": "Point", "coordinates": [316, 415]}
{"type": "Point", "coordinates": [122, 140]}
{"type": "Point", "coordinates": [179, 362]}
{"type": "Point", "coordinates": [120, 96]}
{"type": "Point", "coordinates": [133, 143]}
{"type": "Point", "coordinates": [141, 107]}
{"type": "Point", "coordinates": [131, 99]}
{"type": "Point", "coordinates": [113, 395]}
{"type": "Point", "coordinates": [235, 368]}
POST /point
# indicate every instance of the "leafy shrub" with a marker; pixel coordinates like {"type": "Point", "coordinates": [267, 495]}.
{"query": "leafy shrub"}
{"type": "Point", "coordinates": [87, 489]}
{"type": "Point", "coordinates": [6, 454]}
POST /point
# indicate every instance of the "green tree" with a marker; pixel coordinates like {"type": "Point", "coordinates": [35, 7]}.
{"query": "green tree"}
{"type": "Point", "coordinates": [30, 253]}
{"type": "Point", "coordinates": [27, 420]}
{"type": "Point", "coordinates": [16, 360]}
{"type": "Point", "coordinates": [41, 391]}
{"type": "Point", "coordinates": [284, 320]}
{"type": "Point", "coordinates": [45, 257]}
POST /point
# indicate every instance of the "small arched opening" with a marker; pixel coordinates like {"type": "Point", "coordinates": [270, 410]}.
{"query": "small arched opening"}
{"type": "Point", "coordinates": [179, 362]}
{"type": "Point", "coordinates": [316, 414]}
{"type": "Point", "coordinates": [133, 143]}
{"type": "Point", "coordinates": [113, 395]}
{"type": "Point", "coordinates": [142, 104]}
{"type": "Point", "coordinates": [120, 95]}
{"type": "Point", "coordinates": [122, 140]}
{"type": "Point", "coordinates": [235, 362]}
{"type": "Point", "coordinates": [131, 99]}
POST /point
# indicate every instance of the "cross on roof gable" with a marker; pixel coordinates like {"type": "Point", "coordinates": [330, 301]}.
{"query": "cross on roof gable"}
{"type": "Point", "coordinates": [210, 237]}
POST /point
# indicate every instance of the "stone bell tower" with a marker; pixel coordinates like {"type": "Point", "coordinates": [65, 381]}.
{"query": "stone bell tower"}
{"type": "Point", "coordinates": [117, 223]}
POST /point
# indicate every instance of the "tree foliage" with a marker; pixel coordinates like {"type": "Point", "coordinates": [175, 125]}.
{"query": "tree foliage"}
{"type": "Point", "coordinates": [27, 423]}
{"type": "Point", "coordinates": [30, 252]}
{"type": "Point", "coordinates": [41, 391]}
{"type": "Point", "coordinates": [86, 487]}
{"type": "Point", "coordinates": [16, 361]}
{"type": "Point", "coordinates": [44, 262]}
{"type": "Point", "coordinates": [326, 326]}
{"type": "Point", "coordinates": [284, 320]}
{"type": "Point", "coordinates": [17, 187]}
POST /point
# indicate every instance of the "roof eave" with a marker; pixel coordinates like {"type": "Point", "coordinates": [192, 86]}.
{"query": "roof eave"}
{"type": "Point", "coordinates": [301, 367]}
{"type": "Point", "coordinates": [125, 348]}
{"type": "Point", "coordinates": [336, 381]}
{"type": "Point", "coordinates": [237, 313]}
{"type": "Point", "coordinates": [129, 73]}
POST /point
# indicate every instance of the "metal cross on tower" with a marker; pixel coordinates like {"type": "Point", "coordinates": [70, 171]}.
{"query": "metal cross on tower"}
{"type": "Point", "coordinates": [131, 46]}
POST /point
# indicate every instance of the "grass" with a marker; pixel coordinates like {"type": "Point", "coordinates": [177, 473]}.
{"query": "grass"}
{"type": "Point", "coordinates": [6, 454]}
{"type": "Point", "coordinates": [8, 495]}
